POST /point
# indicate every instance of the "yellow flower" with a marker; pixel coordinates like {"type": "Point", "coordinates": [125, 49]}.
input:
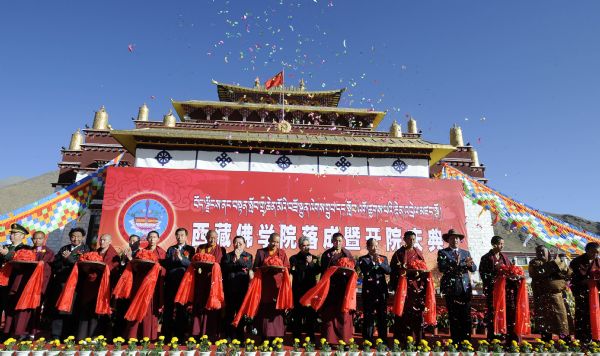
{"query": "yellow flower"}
{"type": "Point", "coordinates": [161, 338]}
{"type": "Point", "coordinates": [342, 342]}
{"type": "Point", "coordinates": [351, 340]}
{"type": "Point", "coordinates": [204, 337]}
{"type": "Point", "coordinates": [410, 339]}
{"type": "Point", "coordinates": [307, 339]}
{"type": "Point", "coordinates": [323, 340]}
{"type": "Point", "coordinates": [41, 339]}
{"type": "Point", "coordinates": [296, 340]}
{"type": "Point", "coordinates": [424, 342]}
{"type": "Point", "coordinates": [378, 341]}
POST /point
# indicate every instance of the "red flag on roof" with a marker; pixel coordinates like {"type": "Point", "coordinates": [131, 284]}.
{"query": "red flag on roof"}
{"type": "Point", "coordinates": [276, 81]}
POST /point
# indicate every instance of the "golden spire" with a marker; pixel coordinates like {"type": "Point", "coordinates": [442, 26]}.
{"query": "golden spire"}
{"type": "Point", "coordinates": [412, 126]}
{"type": "Point", "coordinates": [456, 137]}
{"type": "Point", "coordinates": [395, 130]}
{"type": "Point", "coordinates": [302, 86]}
{"type": "Point", "coordinates": [76, 141]}
{"type": "Point", "coordinates": [143, 113]}
{"type": "Point", "coordinates": [257, 83]}
{"type": "Point", "coordinates": [100, 119]}
{"type": "Point", "coordinates": [169, 120]}
{"type": "Point", "coordinates": [474, 158]}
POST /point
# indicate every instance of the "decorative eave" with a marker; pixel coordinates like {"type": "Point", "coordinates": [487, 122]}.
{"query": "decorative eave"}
{"type": "Point", "coordinates": [238, 140]}
{"type": "Point", "coordinates": [181, 107]}
{"type": "Point", "coordinates": [231, 93]}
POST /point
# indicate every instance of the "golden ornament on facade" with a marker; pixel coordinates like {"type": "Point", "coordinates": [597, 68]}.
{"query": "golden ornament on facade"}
{"type": "Point", "coordinates": [284, 126]}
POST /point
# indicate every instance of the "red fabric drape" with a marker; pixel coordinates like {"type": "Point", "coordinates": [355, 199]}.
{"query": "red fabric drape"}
{"type": "Point", "coordinates": [251, 300]}
{"type": "Point", "coordinates": [522, 321]}
{"type": "Point", "coordinates": [216, 297]}
{"type": "Point", "coordinates": [594, 309]}
{"type": "Point", "coordinates": [32, 293]}
{"type": "Point", "coordinates": [285, 299]}
{"type": "Point", "coordinates": [499, 297]}
{"type": "Point", "coordinates": [139, 304]}
{"type": "Point", "coordinates": [5, 272]}
{"type": "Point", "coordinates": [65, 301]}
{"type": "Point", "coordinates": [123, 288]}
{"type": "Point", "coordinates": [103, 300]}
{"type": "Point", "coordinates": [401, 291]}
{"type": "Point", "coordinates": [429, 315]}
{"type": "Point", "coordinates": [315, 297]}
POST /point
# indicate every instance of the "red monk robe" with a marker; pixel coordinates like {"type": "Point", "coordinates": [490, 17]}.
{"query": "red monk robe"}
{"type": "Point", "coordinates": [90, 323]}
{"type": "Point", "coordinates": [206, 322]}
{"type": "Point", "coordinates": [148, 326]}
{"type": "Point", "coordinates": [27, 321]}
{"type": "Point", "coordinates": [269, 321]}
{"type": "Point", "coordinates": [337, 325]}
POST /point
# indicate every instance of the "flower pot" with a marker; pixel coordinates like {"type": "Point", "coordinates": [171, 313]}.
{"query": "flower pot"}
{"type": "Point", "coordinates": [204, 353]}
{"type": "Point", "coordinates": [577, 354]}
{"type": "Point", "coordinates": [190, 352]}
{"type": "Point", "coordinates": [310, 353]}
{"type": "Point", "coordinates": [296, 353]}
{"type": "Point", "coordinates": [52, 353]}
{"type": "Point", "coordinates": [512, 354]}
{"type": "Point", "coordinates": [266, 353]}
{"type": "Point", "coordinates": [437, 353]}
{"type": "Point", "coordinates": [174, 352]}
{"type": "Point", "coordinates": [83, 352]}
{"type": "Point", "coordinates": [38, 353]}
{"type": "Point", "coordinates": [280, 353]}
{"type": "Point", "coordinates": [393, 353]}
{"type": "Point", "coordinates": [249, 353]}
{"type": "Point", "coordinates": [367, 353]}
{"type": "Point", "coordinates": [565, 353]}
{"type": "Point", "coordinates": [130, 352]}
{"type": "Point", "coordinates": [381, 353]}
{"type": "Point", "coordinates": [22, 353]}
{"type": "Point", "coordinates": [468, 353]}
{"type": "Point", "coordinates": [453, 353]}
{"type": "Point", "coordinates": [116, 353]}
{"type": "Point", "coordinates": [410, 353]}
{"type": "Point", "coordinates": [68, 353]}
{"type": "Point", "coordinates": [6, 352]}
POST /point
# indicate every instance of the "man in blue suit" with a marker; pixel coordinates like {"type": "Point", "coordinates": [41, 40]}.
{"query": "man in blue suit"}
{"type": "Point", "coordinates": [455, 285]}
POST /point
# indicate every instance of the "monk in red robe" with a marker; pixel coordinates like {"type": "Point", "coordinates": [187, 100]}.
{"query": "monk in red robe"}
{"type": "Point", "coordinates": [269, 320]}
{"type": "Point", "coordinates": [26, 322]}
{"type": "Point", "coordinates": [90, 323]}
{"type": "Point", "coordinates": [137, 283]}
{"type": "Point", "coordinates": [337, 324]}
{"type": "Point", "coordinates": [411, 321]}
{"type": "Point", "coordinates": [204, 321]}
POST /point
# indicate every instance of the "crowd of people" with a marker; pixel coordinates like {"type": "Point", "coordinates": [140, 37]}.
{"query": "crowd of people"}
{"type": "Point", "coordinates": [187, 291]}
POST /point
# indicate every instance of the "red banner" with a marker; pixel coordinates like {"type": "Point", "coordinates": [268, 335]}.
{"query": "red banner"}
{"type": "Point", "coordinates": [253, 205]}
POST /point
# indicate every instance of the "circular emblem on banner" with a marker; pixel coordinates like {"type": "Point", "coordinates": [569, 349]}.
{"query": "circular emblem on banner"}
{"type": "Point", "coordinates": [144, 213]}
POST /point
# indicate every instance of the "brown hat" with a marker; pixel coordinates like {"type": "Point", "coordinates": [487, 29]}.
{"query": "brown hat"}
{"type": "Point", "coordinates": [16, 228]}
{"type": "Point", "coordinates": [451, 232]}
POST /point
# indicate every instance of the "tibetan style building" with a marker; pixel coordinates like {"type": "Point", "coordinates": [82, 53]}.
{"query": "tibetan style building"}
{"type": "Point", "coordinates": [286, 130]}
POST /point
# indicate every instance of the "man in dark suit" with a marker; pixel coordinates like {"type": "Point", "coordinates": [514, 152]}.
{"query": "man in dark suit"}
{"type": "Point", "coordinates": [374, 267]}
{"type": "Point", "coordinates": [455, 285]}
{"type": "Point", "coordinates": [63, 324]}
{"type": "Point", "coordinates": [177, 261]}
{"type": "Point", "coordinates": [304, 269]}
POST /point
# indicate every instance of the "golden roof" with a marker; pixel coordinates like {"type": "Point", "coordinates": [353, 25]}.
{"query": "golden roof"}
{"type": "Point", "coordinates": [221, 139]}
{"type": "Point", "coordinates": [181, 111]}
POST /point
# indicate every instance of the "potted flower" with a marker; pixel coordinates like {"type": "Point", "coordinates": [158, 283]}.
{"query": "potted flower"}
{"type": "Point", "coordinates": [204, 346]}
{"type": "Point", "coordinates": [38, 347]}
{"type": "Point", "coordinates": [526, 348]}
{"type": "Point", "coordinates": [69, 346]}
{"type": "Point", "coordinates": [437, 348]}
{"type": "Point", "coordinates": [249, 348]}
{"type": "Point", "coordinates": [496, 348]}
{"type": "Point", "coordinates": [366, 350]}
{"type": "Point", "coordinates": [221, 345]}
{"type": "Point", "coordinates": [563, 347]}
{"type": "Point", "coordinates": [424, 348]}
{"type": "Point", "coordinates": [576, 348]}
{"type": "Point", "coordinates": [85, 346]}
{"type": "Point", "coordinates": [159, 346]}
{"type": "Point", "coordinates": [117, 346]}
{"type": "Point", "coordinates": [466, 348]}
{"type": "Point", "coordinates": [396, 350]}
{"type": "Point", "coordinates": [234, 347]}
{"type": "Point", "coordinates": [410, 349]}
{"type": "Point", "coordinates": [309, 347]}
{"type": "Point", "coordinates": [190, 346]}
{"type": "Point", "coordinates": [7, 347]}
{"type": "Point", "coordinates": [340, 349]}
{"type": "Point", "coordinates": [483, 347]}
{"type": "Point", "coordinates": [539, 347]}
{"type": "Point", "coordinates": [550, 348]}
{"type": "Point", "coordinates": [265, 349]}
{"type": "Point", "coordinates": [325, 347]}
{"type": "Point", "coordinates": [296, 348]}
{"type": "Point", "coordinates": [513, 349]}
{"type": "Point", "coordinates": [278, 346]}
{"type": "Point", "coordinates": [381, 348]}
{"type": "Point", "coordinates": [593, 348]}
{"type": "Point", "coordinates": [99, 346]}
{"type": "Point", "coordinates": [132, 346]}
{"type": "Point", "coordinates": [174, 347]}
{"type": "Point", "coordinates": [23, 348]}
{"type": "Point", "coordinates": [451, 348]}
{"type": "Point", "coordinates": [54, 348]}
{"type": "Point", "coordinates": [352, 348]}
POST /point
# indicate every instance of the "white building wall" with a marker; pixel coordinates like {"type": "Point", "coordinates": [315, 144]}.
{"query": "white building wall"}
{"type": "Point", "coordinates": [479, 231]}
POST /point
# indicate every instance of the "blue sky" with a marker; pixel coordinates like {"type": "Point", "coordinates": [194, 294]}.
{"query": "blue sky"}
{"type": "Point", "coordinates": [520, 77]}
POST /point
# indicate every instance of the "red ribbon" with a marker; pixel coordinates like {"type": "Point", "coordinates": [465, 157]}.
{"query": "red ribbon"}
{"type": "Point", "coordinates": [594, 309]}
{"type": "Point", "coordinates": [522, 321]}
{"type": "Point", "coordinates": [216, 296]}
{"type": "Point", "coordinates": [401, 292]}
{"type": "Point", "coordinates": [315, 297]}
{"type": "Point", "coordinates": [65, 301]}
{"type": "Point", "coordinates": [32, 293]}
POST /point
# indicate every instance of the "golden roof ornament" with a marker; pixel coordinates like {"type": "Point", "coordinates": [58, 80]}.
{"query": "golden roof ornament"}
{"type": "Point", "coordinates": [456, 137]}
{"type": "Point", "coordinates": [76, 141]}
{"type": "Point", "coordinates": [284, 126]}
{"type": "Point", "coordinates": [395, 130]}
{"type": "Point", "coordinates": [412, 126]}
{"type": "Point", "coordinates": [169, 120]}
{"type": "Point", "coordinates": [474, 158]}
{"type": "Point", "coordinates": [301, 86]}
{"type": "Point", "coordinates": [143, 113]}
{"type": "Point", "coordinates": [100, 119]}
